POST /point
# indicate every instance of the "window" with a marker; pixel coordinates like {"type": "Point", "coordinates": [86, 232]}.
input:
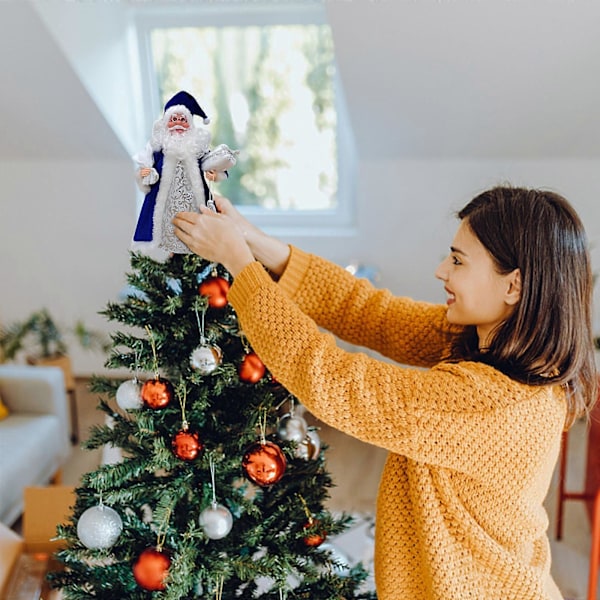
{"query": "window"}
{"type": "Point", "coordinates": [265, 75]}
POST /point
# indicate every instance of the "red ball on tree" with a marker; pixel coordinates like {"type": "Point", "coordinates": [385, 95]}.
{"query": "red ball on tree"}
{"type": "Point", "coordinates": [151, 569]}
{"type": "Point", "coordinates": [251, 369]}
{"type": "Point", "coordinates": [187, 445]}
{"type": "Point", "coordinates": [215, 288]}
{"type": "Point", "coordinates": [157, 393]}
{"type": "Point", "coordinates": [316, 536]}
{"type": "Point", "coordinates": [264, 463]}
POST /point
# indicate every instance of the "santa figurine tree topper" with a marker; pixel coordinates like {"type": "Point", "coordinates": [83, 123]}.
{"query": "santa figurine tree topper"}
{"type": "Point", "coordinates": [173, 171]}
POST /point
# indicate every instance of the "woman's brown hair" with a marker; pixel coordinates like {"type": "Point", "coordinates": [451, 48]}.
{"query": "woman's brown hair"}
{"type": "Point", "coordinates": [548, 338]}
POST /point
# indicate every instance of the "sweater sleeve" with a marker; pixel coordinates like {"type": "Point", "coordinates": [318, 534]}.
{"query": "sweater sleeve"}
{"type": "Point", "coordinates": [446, 415]}
{"type": "Point", "coordinates": [408, 332]}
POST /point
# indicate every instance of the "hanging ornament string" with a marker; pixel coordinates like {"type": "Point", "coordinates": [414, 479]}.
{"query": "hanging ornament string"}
{"type": "Point", "coordinates": [219, 588]}
{"type": "Point", "coordinates": [212, 480]}
{"type": "Point", "coordinates": [210, 203]}
{"type": "Point", "coordinates": [262, 425]}
{"type": "Point", "coordinates": [161, 535]}
{"type": "Point", "coordinates": [136, 364]}
{"type": "Point", "coordinates": [153, 345]}
{"type": "Point", "coordinates": [182, 403]}
{"type": "Point", "coordinates": [306, 509]}
{"type": "Point", "coordinates": [200, 326]}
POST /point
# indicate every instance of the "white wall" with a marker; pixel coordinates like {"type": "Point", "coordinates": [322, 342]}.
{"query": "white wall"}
{"type": "Point", "coordinates": [99, 41]}
{"type": "Point", "coordinates": [405, 217]}
{"type": "Point", "coordinates": [64, 237]}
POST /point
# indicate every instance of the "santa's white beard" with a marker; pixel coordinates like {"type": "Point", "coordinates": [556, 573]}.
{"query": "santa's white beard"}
{"type": "Point", "coordinates": [193, 143]}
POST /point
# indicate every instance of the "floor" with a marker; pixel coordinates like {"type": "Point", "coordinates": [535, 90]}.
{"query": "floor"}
{"type": "Point", "coordinates": [356, 468]}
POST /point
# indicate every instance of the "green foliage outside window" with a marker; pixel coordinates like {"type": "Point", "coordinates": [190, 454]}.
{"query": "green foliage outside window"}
{"type": "Point", "coordinates": [269, 92]}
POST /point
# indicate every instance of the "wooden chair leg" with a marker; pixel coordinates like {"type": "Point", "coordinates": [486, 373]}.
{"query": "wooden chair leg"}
{"type": "Point", "coordinates": [595, 550]}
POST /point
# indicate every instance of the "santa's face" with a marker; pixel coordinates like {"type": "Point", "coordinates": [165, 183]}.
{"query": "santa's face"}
{"type": "Point", "coordinates": [177, 124]}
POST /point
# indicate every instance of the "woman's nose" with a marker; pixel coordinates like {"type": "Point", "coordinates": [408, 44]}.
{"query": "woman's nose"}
{"type": "Point", "coordinates": [442, 272]}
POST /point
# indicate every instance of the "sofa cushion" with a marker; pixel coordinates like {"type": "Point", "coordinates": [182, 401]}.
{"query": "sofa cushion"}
{"type": "Point", "coordinates": [30, 451]}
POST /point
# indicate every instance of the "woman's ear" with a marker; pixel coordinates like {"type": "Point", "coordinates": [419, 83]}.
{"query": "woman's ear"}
{"type": "Point", "coordinates": [513, 290]}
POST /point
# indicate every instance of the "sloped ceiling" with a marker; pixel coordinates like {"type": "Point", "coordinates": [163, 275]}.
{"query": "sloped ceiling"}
{"type": "Point", "coordinates": [466, 78]}
{"type": "Point", "coordinates": [46, 111]}
{"type": "Point", "coordinates": [423, 79]}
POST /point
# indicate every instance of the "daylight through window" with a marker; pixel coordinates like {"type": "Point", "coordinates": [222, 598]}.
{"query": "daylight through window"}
{"type": "Point", "coordinates": [270, 92]}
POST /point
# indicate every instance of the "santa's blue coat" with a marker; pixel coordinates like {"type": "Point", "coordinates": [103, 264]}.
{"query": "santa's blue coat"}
{"type": "Point", "coordinates": [143, 230]}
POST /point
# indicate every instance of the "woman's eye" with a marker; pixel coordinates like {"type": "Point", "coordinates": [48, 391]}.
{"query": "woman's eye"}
{"type": "Point", "coordinates": [455, 260]}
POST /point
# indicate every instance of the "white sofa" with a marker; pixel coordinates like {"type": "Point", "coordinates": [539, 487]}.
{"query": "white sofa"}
{"type": "Point", "coordinates": [34, 438]}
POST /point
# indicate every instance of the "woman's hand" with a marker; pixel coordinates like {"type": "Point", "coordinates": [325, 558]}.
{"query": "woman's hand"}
{"type": "Point", "coordinates": [215, 237]}
{"type": "Point", "coordinates": [270, 251]}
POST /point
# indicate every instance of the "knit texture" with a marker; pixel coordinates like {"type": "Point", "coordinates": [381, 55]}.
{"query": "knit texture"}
{"type": "Point", "coordinates": [471, 452]}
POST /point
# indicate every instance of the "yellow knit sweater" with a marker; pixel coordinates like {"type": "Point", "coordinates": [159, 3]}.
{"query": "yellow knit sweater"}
{"type": "Point", "coordinates": [471, 452]}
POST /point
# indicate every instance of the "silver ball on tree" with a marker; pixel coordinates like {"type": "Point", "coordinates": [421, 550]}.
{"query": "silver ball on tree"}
{"type": "Point", "coordinates": [99, 527]}
{"type": "Point", "coordinates": [216, 521]}
{"type": "Point", "coordinates": [292, 428]}
{"type": "Point", "coordinates": [129, 395]}
{"type": "Point", "coordinates": [310, 447]}
{"type": "Point", "coordinates": [205, 359]}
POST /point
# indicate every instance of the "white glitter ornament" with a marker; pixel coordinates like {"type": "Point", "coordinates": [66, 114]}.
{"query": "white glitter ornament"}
{"type": "Point", "coordinates": [292, 428]}
{"type": "Point", "coordinates": [99, 527]}
{"type": "Point", "coordinates": [216, 521]}
{"type": "Point", "coordinates": [206, 358]}
{"type": "Point", "coordinates": [129, 395]}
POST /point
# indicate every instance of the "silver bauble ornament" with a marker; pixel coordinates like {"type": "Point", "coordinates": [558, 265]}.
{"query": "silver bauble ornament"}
{"type": "Point", "coordinates": [129, 395]}
{"type": "Point", "coordinates": [309, 447]}
{"type": "Point", "coordinates": [206, 358]}
{"type": "Point", "coordinates": [292, 428]}
{"type": "Point", "coordinates": [99, 527]}
{"type": "Point", "coordinates": [216, 521]}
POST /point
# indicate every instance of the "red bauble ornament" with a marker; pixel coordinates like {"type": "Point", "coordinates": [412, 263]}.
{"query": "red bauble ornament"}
{"type": "Point", "coordinates": [251, 369]}
{"type": "Point", "coordinates": [317, 536]}
{"type": "Point", "coordinates": [150, 569]}
{"type": "Point", "coordinates": [187, 445]}
{"type": "Point", "coordinates": [264, 463]}
{"type": "Point", "coordinates": [157, 393]}
{"type": "Point", "coordinates": [216, 289]}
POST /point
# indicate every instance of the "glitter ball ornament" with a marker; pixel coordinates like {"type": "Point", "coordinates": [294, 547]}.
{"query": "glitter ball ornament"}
{"type": "Point", "coordinates": [206, 358]}
{"type": "Point", "coordinates": [251, 369]}
{"type": "Point", "coordinates": [216, 521]}
{"type": "Point", "coordinates": [215, 288]}
{"type": "Point", "coordinates": [157, 393]}
{"type": "Point", "coordinates": [315, 536]}
{"type": "Point", "coordinates": [292, 428]}
{"type": "Point", "coordinates": [99, 527]}
{"type": "Point", "coordinates": [129, 396]}
{"type": "Point", "coordinates": [186, 445]}
{"type": "Point", "coordinates": [264, 463]}
{"type": "Point", "coordinates": [150, 570]}
{"type": "Point", "coordinates": [310, 447]}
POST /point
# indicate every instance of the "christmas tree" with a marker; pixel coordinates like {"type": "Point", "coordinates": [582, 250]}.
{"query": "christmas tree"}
{"type": "Point", "coordinates": [222, 488]}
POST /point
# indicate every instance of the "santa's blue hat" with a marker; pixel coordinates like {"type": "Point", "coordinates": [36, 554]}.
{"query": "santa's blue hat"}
{"type": "Point", "coordinates": [189, 102]}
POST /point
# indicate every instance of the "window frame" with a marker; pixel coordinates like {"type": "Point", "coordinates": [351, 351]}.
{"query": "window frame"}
{"type": "Point", "coordinates": [341, 219]}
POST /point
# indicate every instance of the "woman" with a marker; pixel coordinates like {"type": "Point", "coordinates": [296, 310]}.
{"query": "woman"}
{"type": "Point", "coordinates": [473, 439]}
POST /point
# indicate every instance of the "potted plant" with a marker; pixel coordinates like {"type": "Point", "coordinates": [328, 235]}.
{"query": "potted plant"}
{"type": "Point", "coordinates": [44, 342]}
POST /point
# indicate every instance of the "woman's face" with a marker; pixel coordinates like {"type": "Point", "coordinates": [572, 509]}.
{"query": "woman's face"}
{"type": "Point", "coordinates": [476, 293]}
